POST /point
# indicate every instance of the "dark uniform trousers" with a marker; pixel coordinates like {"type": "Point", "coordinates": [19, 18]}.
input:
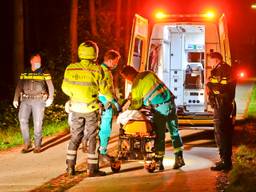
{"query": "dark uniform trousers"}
{"type": "Point", "coordinates": [83, 125]}
{"type": "Point", "coordinates": [36, 107]}
{"type": "Point", "coordinates": [223, 127]}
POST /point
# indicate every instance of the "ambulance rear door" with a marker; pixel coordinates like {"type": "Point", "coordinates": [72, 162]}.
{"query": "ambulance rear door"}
{"type": "Point", "coordinates": [224, 41]}
{"type": "Point", "coordinates": [138, 47]}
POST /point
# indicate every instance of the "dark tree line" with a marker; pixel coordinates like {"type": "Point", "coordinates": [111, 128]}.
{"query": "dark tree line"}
{"type": "Point", "coordinates": [57, 27]}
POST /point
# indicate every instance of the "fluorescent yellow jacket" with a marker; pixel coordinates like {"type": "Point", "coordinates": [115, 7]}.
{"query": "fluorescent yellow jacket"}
{"type": "Point", "coordinates": [82, 83]}
{"type": "Point", "coordinates": [108, 78]}
{"type": "Point", "coordinates": [148, 89]}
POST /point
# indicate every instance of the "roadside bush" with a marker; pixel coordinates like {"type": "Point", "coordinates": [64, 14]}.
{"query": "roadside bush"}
{"type": "Point", "coordinates": [8, 116]}
{"type": "Point", "coordinates": [55, 113]}
{"type": "Point", "coordinates": [243, 175]}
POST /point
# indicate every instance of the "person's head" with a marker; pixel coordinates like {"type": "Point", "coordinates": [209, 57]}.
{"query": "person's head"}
{"type": "Point", "coordinates": [35, 61]}
{"type": "Point", "coordinates": [215, 59]}
{"type": "Point", "coordinates": [88, 50]}
{"type": "Point", "coordinates": [129, 73]}
{"type": "Point", "coordinates": [111, 58]}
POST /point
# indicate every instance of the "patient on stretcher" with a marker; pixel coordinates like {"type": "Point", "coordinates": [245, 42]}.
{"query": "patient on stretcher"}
{"type": "Point", "coordinates": [134, 122]}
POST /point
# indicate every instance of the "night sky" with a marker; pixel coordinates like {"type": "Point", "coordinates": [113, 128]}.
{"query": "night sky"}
{"type": "Point", "coordinates": [47, 22]}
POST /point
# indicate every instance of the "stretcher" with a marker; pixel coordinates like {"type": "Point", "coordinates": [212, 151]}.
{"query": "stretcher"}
{"type": "Point", "coordinates": [136, 142]}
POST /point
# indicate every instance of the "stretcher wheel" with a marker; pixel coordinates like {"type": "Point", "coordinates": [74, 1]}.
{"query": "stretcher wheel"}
{"type": "Point", "coordinates": [151, 167]}
{"type": "Point", "coordinates": [115, 166]}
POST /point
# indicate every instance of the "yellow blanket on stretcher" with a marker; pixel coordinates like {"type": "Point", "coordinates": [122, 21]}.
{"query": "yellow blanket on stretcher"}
{"type": "Point", "coordinates": [138, 127]}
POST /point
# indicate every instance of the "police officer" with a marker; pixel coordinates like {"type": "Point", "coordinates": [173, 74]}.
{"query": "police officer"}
{"type": "Point", "coordinates": [111, 59]}
{"type": "Point", "coordinates": [221, 96]}
{"type": "Point", "coordinates": [82, 83]}
{"type": "Point", "coordinates": [35, 92]}
{"type": "Point", "coordinates": [149, 90]}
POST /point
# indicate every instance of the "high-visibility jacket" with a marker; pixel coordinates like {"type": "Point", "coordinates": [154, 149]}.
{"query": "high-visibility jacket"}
{"type": "Point", "coordinates": [108, 78]}
{"type": "Point", "coordinates": [82, 83]}
{"type": "Point", "coordinates": [148, 89]}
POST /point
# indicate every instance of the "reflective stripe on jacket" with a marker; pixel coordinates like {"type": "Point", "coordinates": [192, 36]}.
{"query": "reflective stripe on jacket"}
{"type": "Point", "coordinates": [34, 84]}
{"type": "Point", "coordinates": [82, 83]}
{"type": "Point", "coordinates": [148, 89]}
{"type": "Point", "coordinates": [108, 78]}
{"type": "Point", "coordinates": [36, 76]}
{"type": "Point", "coordinates": [220, 80]}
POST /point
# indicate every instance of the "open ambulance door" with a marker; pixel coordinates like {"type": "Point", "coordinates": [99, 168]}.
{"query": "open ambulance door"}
{"type": "Point", "coordinates": [138, 47]}
{"type": "Point", "coordinates": [224, 41]}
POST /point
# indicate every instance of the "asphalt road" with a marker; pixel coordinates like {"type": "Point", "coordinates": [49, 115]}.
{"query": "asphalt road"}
{"type": "Point", "coordinates": [24, 172]}
{"type": "Point", "coordinates": [200, 153]}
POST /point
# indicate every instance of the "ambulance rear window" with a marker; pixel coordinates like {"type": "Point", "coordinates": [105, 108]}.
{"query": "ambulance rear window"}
{"type": "Point", "coordinates": [195, 56]}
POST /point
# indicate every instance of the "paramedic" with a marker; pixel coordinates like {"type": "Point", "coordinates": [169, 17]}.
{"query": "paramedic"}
{"type": "Point", "coordinates": [111, 59]}
{"type": "Point", "coordinates": [82, 83]}
{"type": "Point", "coordinates": [149, 90]}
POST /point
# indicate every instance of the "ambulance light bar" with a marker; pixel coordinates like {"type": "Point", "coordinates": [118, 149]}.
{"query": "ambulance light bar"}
{"type": "Point", "coordinates": [161, 15]}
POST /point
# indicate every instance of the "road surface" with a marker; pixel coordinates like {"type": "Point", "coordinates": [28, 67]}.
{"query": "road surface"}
{"type": "Point", "coordinates": [195, 176]}
{"type": "Point", "coordinates": [24, 172]}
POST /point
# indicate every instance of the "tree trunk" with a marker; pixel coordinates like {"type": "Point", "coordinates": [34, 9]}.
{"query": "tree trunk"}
{"type": "Point", "coordinates": [93, 17]}
{"type": "Point", "coordinates": [99, 3]}
{"type": "Point", "coordinates": [73, 30]}
{"type": "Point", "coordinates": [18, 54]}
{"type": "Point", "coordinates": [118, 21]}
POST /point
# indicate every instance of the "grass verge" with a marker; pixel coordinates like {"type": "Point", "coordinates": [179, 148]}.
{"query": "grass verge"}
{"type": "Point", "coordinates": [243, 175]}
{"type": "Point", "coordinates": [12, 137]}
{"type": "Point", "coordinates": [252, 104]}
{"type": "Point", "coordinates": [55, 121]}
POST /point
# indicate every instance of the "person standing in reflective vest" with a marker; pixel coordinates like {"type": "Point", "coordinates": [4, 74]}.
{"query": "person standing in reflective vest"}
{"type": "Point", "coordinates": [35, 92]}
{"type": "Point", "coordinates": [83, 82]}
{"type": "Point", "coordinates": [221, 89]}
{"type": "Point", "coordinates": [111, 59]}
{"type": "Point", "coordinates": [149, 90]}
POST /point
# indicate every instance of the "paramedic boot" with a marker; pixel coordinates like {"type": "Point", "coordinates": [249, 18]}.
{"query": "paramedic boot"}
{"type": "Point", "coordinates": [106, 158]}
{"type": "Point", "coordinates": [160, 164]}
{"type": "Point", "coordinates": [93, 171]}
{"type": "Point", "coordinates": [179, 161]}
{"type": "Point", "coordinates": [71, 168]}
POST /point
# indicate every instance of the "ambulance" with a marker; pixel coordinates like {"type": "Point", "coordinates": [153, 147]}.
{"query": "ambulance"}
{"type": "Point", "coordinates": [177, 48]}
